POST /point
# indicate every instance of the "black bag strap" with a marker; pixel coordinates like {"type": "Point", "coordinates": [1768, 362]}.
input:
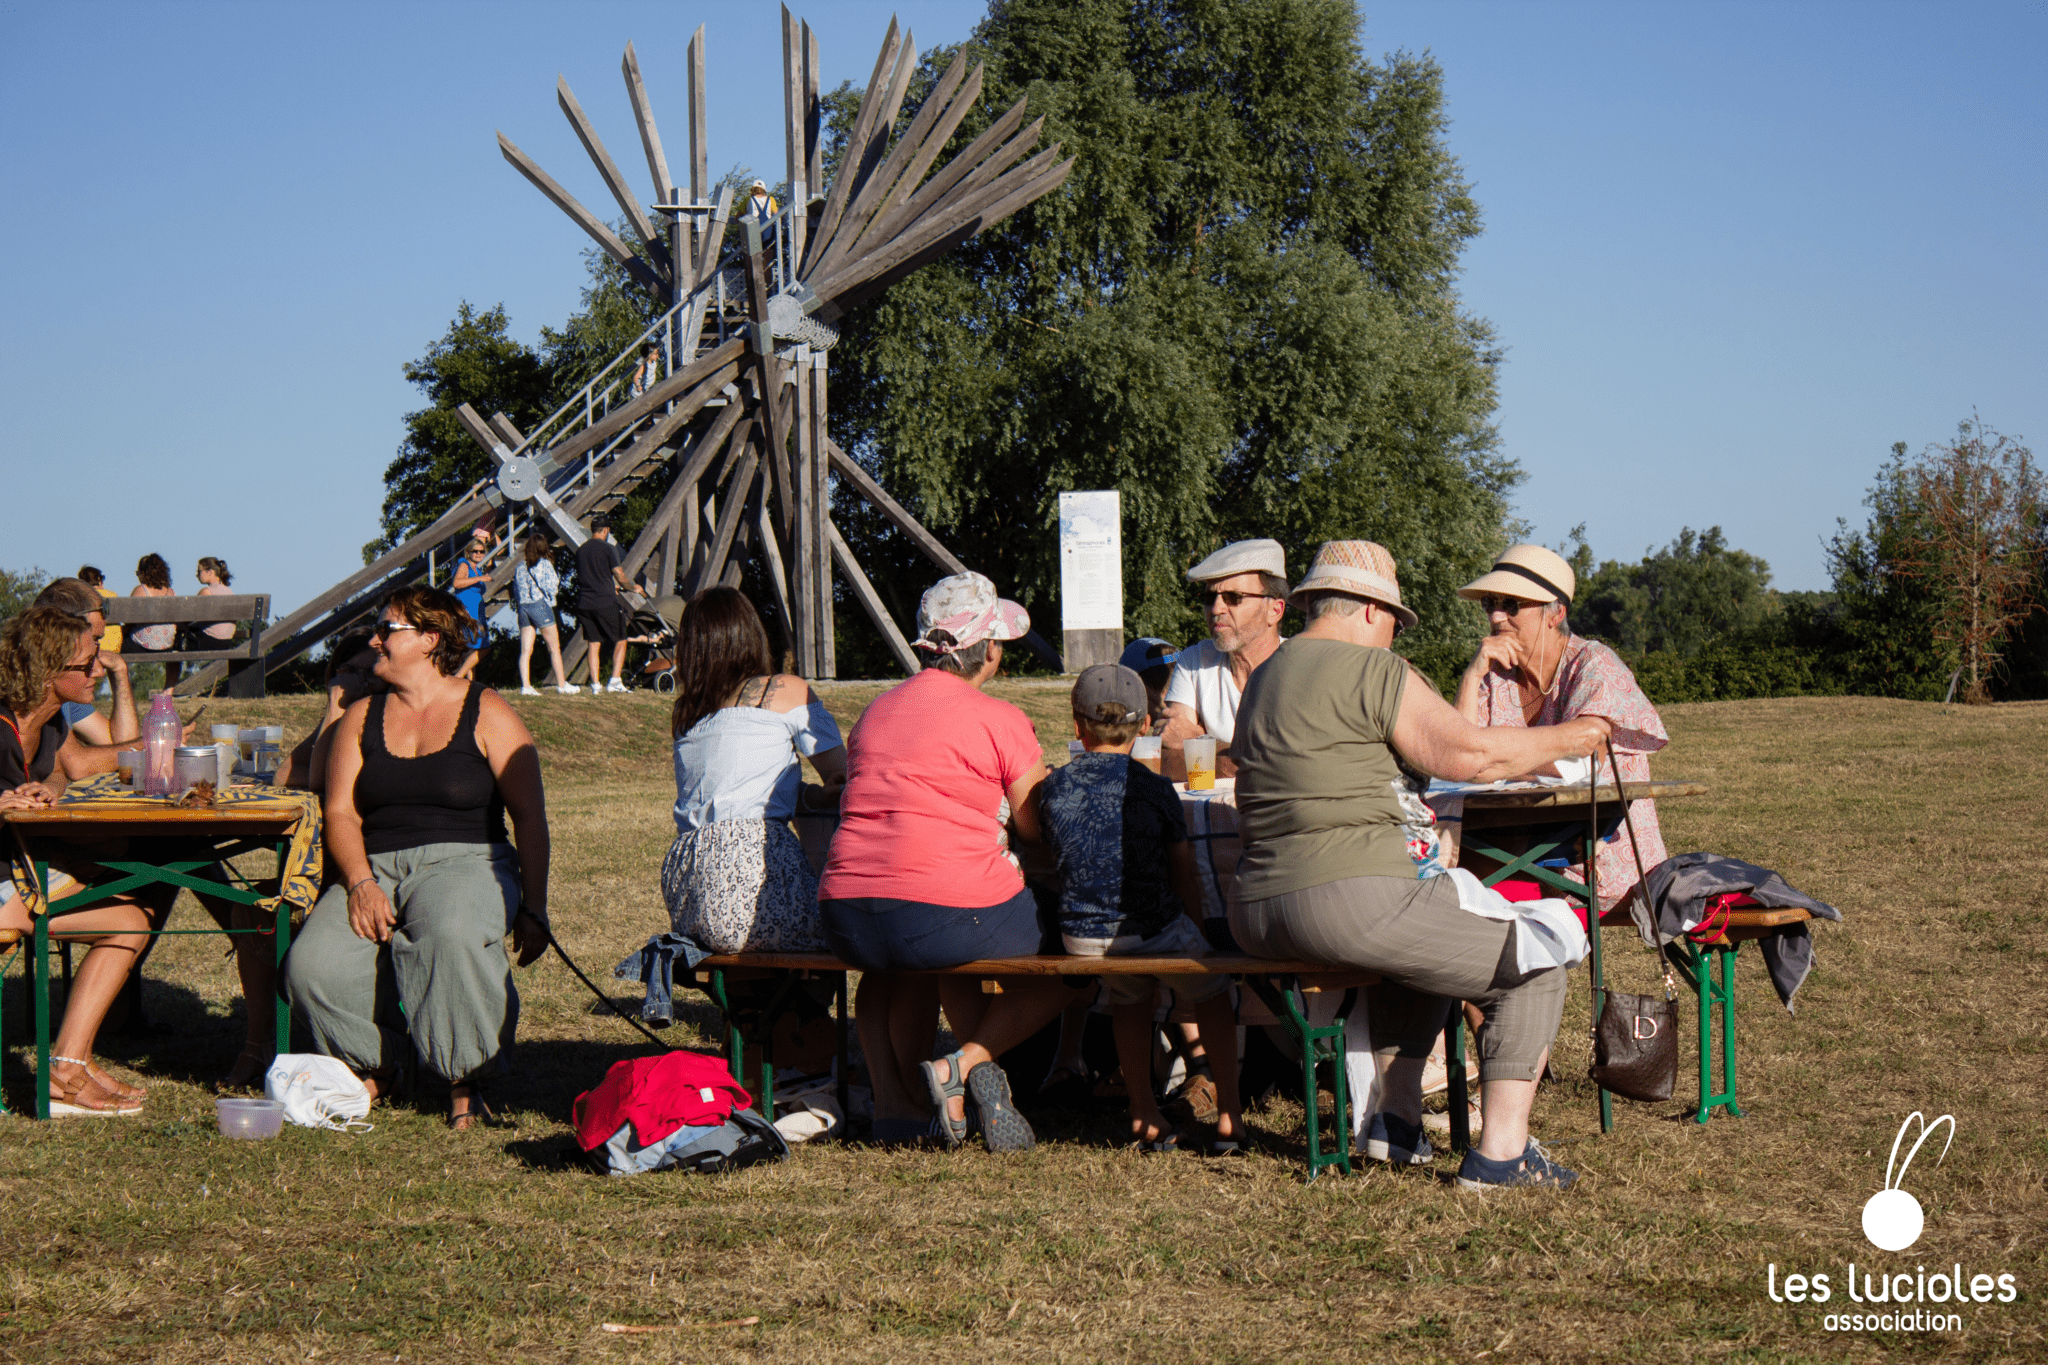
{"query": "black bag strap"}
{"type": "Point", "coordinates": [1628, 822]}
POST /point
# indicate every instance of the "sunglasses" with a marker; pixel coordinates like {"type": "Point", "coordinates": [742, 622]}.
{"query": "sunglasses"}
{"type": "Point", "coordinates": [384, 630]}
{"type": "Point", "coordinates": [1231, 599]}
{"type": "Point", "coordinates": [1513, 606]}
{"type": "Point", "coordinates": [91, 666]}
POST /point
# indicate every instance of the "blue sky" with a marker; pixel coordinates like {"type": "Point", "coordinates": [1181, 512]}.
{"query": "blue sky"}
{"type": "Point", "coordinates": [1733, 251]}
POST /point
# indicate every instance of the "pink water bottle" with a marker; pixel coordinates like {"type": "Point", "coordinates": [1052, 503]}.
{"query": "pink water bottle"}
{"type": "Point", "coordinates": [160, 735]}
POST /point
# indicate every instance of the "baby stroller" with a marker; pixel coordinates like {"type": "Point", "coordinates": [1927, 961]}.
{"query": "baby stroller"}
{"type": "Point", "coordinates": [654, 625]}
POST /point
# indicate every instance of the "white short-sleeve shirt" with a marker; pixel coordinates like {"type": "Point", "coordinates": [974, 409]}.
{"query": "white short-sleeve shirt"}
{"type": "Point", "coordinates": [1201, 679]}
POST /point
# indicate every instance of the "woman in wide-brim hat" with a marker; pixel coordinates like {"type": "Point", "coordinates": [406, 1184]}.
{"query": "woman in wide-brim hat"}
{"type": "Point", "coordinates": [1532, 670]}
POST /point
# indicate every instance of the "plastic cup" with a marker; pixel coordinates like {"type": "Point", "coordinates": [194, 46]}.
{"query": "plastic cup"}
{"type": "Point", "coordinates": [127, 763]}
{"type": "Point", "coordinates": [248, 740]}
{"type": "Point", "coordinates": [1146, 751]}
{"type": "Point", "coordinates": [250, 1120]}
{"type": "Point", "coordinates": [1075, 749]}
{"type": "Point", "coordinates": [1201, 759]}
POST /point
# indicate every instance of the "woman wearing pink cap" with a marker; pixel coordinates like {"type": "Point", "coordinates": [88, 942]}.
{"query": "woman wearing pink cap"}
{"type": "Point", "coordinates": [920, 875]}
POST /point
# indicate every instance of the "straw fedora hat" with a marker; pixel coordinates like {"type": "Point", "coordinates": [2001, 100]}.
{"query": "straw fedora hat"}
{"type": "Point", "coordinates": [1359, 567]}
{"type": "Point", "coordinates": [1529, 572]}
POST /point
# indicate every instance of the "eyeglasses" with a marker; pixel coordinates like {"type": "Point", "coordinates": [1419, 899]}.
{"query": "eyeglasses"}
{"type": "Point", "coordinates": [1513, 606]}
{"type": "Point", "coordinates": [1231, 599]}
{"type": "Point", "coordinates": [383, 630]}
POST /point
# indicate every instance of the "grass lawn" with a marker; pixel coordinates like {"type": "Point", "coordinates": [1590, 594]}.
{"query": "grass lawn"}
{"type": "Point", "coordinates": [157, 1239]}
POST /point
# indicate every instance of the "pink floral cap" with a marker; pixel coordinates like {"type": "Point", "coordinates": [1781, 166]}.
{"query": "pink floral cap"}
{"type": "Point", "coordinates": [966, 607]}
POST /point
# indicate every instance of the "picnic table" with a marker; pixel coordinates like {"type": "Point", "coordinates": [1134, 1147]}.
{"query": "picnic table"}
{"type": "Point", "coordinates": [129, 842]}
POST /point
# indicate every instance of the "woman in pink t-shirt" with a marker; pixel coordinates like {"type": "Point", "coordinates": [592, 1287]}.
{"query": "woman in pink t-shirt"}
{"type": "Point", "coordinates": [920, 874]}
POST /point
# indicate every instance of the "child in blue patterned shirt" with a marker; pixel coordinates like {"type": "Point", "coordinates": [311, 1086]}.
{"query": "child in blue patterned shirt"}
{"type": "Point", "coordinates": [1128, 889]}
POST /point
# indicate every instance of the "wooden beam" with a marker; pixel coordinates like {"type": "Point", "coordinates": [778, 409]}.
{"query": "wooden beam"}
{"type": "Point", "coordinates": [583, 218]}
{"type": "Point", "coordinates": [864, 593]}
{"type": "Point", "coordinates": [682, 493]}
{"type": "Point", "coordinates": [954, 171]}
{"type": "Point", "coordinates": [735, 497]}
{"type": "Point", "coordinates": [700, 177]}
{"type": "Point", "coordinates": [814, 143]}
{"type": "Point", "coordinates": [950, 224]}
{"type": "Point", "coordinates": [771, 554]}
{"type": "Point", "coordinates": [643, 117]}
{"type": "Point", "coordinates": [660, 395]}
{"type": "Point", "coordinates": [878, 190]}
{"type": "Point", "coordinates": [671, 551]}
{"type": "Point", "coordinates": [885, 219]}
{"type": "Point", "coordinates": [816, 469]}
{"type": "Point", "coordinates": [615, 181]}
{"type": "Point", "coordinates": [841, 192]}
{"type": "Point", "coordinates": [851, 470]}
{"type": "Point", "coordinates": [799, 509]}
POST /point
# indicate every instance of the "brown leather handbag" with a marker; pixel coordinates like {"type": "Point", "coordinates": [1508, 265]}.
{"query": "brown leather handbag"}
{"type": "Point", "coordinates": [1635, 1039]}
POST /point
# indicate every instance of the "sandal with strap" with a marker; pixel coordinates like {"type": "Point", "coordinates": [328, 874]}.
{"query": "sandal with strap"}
{"type": "Point", "coordinates": [475, 1112]}
{"type": "Point", "coordinates": [953, 1130]}
{"type": "Point", "coordinates": [85, 1096]}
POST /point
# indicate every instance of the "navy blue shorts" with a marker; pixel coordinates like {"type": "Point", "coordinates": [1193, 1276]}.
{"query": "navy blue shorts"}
{"type": "Point", "coordinates": [881, 935]}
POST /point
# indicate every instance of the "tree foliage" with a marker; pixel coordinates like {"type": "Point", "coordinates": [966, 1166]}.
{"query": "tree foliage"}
{"type": "Point", "coordinates": [1975, 539]}
{"type": "Point", "coordinates": [18, 588]}
{"type": "Point", "coordinates": [477, 362]}
{"type": "Point", "coordinates": [1239, 312]}
{"type": "Point", "coordinates": [1678, 599]}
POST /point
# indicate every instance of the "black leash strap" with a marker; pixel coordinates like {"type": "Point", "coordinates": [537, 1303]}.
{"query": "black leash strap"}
{"type": "Point", "coordinates": [556, 944]}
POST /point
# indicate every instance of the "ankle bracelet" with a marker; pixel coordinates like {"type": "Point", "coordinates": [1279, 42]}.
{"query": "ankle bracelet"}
{"type": "Point", "coordinates": [85, 1062]}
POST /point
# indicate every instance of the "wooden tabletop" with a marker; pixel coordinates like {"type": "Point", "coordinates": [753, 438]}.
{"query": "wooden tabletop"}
{"type": "Point", "coordinates": [110, 818]}
{"type": "Point", "coordinates": [1656, 790]}
{"type": "Point", "coordinates": [1060, 964]}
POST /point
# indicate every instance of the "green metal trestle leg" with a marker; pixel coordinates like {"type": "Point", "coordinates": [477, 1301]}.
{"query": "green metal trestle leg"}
{"type": "Point", "coordinates": [1710, 971]}
{"type": "Point", "coordinates": [1319, 1044]}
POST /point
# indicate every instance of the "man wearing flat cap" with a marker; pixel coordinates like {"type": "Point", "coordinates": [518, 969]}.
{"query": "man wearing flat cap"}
{"type": "Point", "coordinates": [1533, 671]}
{"type": "Point", "coordinates": [1333, 734]}
{"type": "Point", "coordinates": [1244, 594]}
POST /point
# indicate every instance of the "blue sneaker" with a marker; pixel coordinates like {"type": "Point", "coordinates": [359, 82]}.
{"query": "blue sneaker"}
{"type": "Point", "coordinates": [1532, 1167]}
{"type": "Point", "coordinates": [1389, 1137]}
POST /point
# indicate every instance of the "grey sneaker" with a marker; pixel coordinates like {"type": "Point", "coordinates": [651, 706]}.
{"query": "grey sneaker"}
{"type": "Point", "coordinates": [1532, 1167]}
{"type": "Point", "coordinates": [1389, 1137]}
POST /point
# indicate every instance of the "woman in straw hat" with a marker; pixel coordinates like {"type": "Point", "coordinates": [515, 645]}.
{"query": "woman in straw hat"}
{"type": "Point", "coordinates": [1533, 671]}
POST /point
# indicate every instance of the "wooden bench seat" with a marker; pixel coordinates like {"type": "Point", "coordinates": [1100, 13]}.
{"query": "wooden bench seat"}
{"type": "Point", "coordinates": [244, 658]}
{"type": "Point", "coordinates": [1280, 984]}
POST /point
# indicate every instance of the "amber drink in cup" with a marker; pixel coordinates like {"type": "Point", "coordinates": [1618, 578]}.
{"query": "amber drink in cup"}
{"type": "Point", "coordinates": [125, 764]}
{"type": "Point", "coordinates": [1201, 759]}
{"type": "Point", "coordinates": [1146, 750]}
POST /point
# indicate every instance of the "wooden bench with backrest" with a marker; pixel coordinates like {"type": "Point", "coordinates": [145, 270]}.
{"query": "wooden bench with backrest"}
{"type": "Point", "coordinates": [1282, 985]}
{"type": "Point", "coordinates": [244, 657]}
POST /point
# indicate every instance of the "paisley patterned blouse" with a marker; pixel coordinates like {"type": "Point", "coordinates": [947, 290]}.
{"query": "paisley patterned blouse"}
{"type": "Point", "coordinates": [1593, 681]}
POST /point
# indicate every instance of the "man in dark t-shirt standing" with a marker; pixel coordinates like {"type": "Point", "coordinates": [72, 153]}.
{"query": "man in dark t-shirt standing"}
{"type": "Point", "coordinates": [599, 612]}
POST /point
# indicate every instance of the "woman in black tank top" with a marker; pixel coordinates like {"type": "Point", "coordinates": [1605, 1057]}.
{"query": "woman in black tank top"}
{"type": "Point", "coordinates": [420, 780]}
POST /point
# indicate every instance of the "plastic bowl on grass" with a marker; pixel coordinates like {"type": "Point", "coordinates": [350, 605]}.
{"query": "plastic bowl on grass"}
{"type": "Point", "coordinates": [251, 1119]}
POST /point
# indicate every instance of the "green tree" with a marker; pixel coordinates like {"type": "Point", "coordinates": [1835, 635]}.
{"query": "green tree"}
{"type": "Point", "coordinates": [474, 362]}
{"type": "Point", "coordinates": [18, 589]}
{"type": "Point", "coordinates": [1694, 591]}
{"type": "Point", "coordinates": [1240, 312]}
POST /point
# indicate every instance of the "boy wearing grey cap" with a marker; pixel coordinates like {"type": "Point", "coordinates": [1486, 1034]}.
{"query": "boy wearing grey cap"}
{"type": "Point", "coordinates": [1128, 889]}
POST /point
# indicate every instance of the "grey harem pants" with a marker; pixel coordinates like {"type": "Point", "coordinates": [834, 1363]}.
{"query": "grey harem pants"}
{"type": "Point", "coordinates": [445, 966]}
{"type": "Point", "coordinates": [1428, 952]}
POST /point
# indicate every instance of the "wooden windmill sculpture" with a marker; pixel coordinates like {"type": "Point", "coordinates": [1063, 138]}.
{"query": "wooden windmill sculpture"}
{"type": "Point", "coordinates": [741, 407]}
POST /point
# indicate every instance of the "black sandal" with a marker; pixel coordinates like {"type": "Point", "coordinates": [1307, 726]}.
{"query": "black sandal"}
{"type": "Point", "coordinates": [476, 1109]}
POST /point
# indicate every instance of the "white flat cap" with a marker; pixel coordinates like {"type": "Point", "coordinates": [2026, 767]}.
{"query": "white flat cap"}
{"type": "Point", "coordinates": [1244, 556]}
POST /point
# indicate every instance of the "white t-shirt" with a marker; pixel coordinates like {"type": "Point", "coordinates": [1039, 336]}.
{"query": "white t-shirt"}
{"type": "Point", "coordinates": [1201, 679]}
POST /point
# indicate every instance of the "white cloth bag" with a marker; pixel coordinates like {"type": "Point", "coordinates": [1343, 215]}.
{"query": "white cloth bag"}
{"type": "Point", "coordinates": [318, 1092]}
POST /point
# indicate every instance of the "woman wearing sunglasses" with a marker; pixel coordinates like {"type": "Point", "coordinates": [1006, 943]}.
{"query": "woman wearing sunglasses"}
{"type": "Point", "coordinates": [420, 780]}
{"type": "Point", "coordinates": [49, 657]}
{"type": "Point", "coordinates": [1531, 670]}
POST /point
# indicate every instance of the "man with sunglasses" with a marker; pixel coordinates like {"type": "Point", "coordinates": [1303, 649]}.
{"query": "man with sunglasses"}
{"type": "Point", "coordinates": [1244, 594]}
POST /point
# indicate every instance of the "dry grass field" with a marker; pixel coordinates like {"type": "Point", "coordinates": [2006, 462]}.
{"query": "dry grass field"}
{"type": "Point", "coordinates": [156, 1239]}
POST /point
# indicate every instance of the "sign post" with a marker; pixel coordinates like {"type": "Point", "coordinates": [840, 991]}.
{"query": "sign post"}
{"type": "Point", "coordinates": [1091, 578]}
